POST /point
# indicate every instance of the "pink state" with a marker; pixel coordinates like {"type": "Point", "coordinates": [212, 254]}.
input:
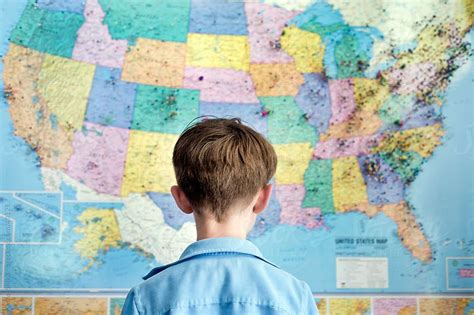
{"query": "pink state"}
{"type": "Point", "coordinates": [393, 305]}
{"type": "Point", "coordinates": [336, 148]}
{"type": "Point", "coordinates": [94, 43]}
{"type": "Point", "coordinates": [221, 85]}
{"type": "Point", "coordinates": [99, 157]}
{"type": "Point", "coordinates": [265, 24]}
{"type": "Point", "coordinates": [342, 100]}
{"type": "Point", "coordinates": [290, 198]}
{"type": "Point", "coordinates": [413, 78]}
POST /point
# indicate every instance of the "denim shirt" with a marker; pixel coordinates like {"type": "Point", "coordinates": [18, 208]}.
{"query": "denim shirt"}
{"type": "Point", "coordinates": [220, 276]}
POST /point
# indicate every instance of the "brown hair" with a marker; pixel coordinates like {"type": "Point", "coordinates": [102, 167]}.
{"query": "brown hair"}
{"type": "Point", "coordinates": [219, 162]}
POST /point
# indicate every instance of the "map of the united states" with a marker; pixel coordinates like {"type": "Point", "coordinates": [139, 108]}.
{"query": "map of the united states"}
{"type": "Point", "coordinates": [101, 91]}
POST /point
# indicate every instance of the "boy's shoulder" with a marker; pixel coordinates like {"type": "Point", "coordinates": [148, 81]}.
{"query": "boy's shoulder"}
{"type": "Point", "coordinates": [215, 251]}
{"type": "Point", "coordinates": [224, 260]}
{"type": "Point", "coordinates": [223, 271]}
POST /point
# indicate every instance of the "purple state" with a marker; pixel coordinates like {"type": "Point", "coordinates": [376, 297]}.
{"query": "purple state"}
{"type": "Point", "coordinates": [269, 218]}
{"type": "Point", "coordinates": [173, 216]}
{"type": "Point", "coordinates": [313, 98]}
{"type": "Point", "coordinates": [251, 114]}
{"type": "Point", "coordinates": [76, 6]}
{"type": "Point", "coordinates": [384, 186]}
{"type": "Point", "coordinates": [421, 116]}
{"type": "Point", "coordinates": [111, 100]}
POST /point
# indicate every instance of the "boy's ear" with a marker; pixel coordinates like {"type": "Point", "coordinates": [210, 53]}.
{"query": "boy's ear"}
{"type": "Point", "coordinates": [181, 200]}
{"type": "Point", "coordinates": [263, 199]}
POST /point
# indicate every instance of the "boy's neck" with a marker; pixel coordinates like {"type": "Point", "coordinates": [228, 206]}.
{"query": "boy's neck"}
{"type": "Point", "coordinates": [233, 226]}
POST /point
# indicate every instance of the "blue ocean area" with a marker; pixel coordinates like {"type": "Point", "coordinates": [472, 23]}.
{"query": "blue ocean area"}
{"type": "Point", "coordinates": [62, 267]}
{"type": "Point", "coordinates": [69, 193]}
{"type": "Point", "coordinates": [30, 217]}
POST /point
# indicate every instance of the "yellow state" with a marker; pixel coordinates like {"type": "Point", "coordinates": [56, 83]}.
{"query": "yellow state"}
{"type": "Point", "coordinates": [349, 306]}
{"type": "Point", "coordinates": [70, 305]}
{"type": "Point", "coordinates": [155, 62]}
{"type": "Point", "coordinates": [148, 167]}
{"type": "Point", "coordinates": [437, 37]}
{"type": "Point", "coordinates": [369, 95]}
{"type": "Point", "coordinates": [433, 42]}
{"type": "Point", "coordinates": [218, 51]}
{"type": "Point", "coordinates": [293, 159]}
{"type": "Point", "coordinates": [100, 230]}
{"type": "Point", "coordinates": [322, 306]}
{"type": "Point", "coordinates": [64, 84]}
{"type": "Point", "coordinates": [348, 184]}
{"type": "Point", "coordinates": [465, 14]}
{"type": "Point", "coordinates": [422, 140]}
{"type": "Point", "coordinates": [306, 48]}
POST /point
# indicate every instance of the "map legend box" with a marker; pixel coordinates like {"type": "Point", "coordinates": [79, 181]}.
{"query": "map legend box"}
{"type": "Point", "coordinates": [460, 273]}
{"type": "Point", "coordinates": [361, 272]}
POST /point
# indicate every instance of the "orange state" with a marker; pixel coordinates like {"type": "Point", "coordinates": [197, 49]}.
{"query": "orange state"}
{"type": "Point", "coordinates": [155, 62]}
{"type": "Point", "coordinates": [409, 230]}
{"type": "Point", "coordinates": [15, 305]}
{"type": "Point", "coordinates": [435, 305]}
{"type": "Point", "coordinates": [53, 144]}
{"type": "Point", "coordinates": [276, 79]}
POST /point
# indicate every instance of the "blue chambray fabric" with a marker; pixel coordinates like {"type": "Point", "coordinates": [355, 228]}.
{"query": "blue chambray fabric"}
{"type": "Point", "coordinates": [220, 276]}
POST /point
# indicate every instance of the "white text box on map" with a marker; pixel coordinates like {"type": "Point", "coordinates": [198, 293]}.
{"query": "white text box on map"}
{"type": "Point", "coordinates": [361, 272]}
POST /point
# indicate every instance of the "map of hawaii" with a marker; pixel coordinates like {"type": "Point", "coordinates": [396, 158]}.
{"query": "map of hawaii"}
{"type": "Point", "coordinates": [102, 96]}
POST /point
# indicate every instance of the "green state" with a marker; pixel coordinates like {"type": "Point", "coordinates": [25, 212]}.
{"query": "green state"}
{"type": "Point", "coordinates": [318, 184]}
{"type": "Point", "coordinates": [165, 19]}
{"type": "Point", "coordinates": [53, 32]}
{"type": "Point", "coordinates": [396, 108]}
{"type": "Point", "coordinates": [351, 60]}
{"type": "Point", "coordinates": [165, 110]}
{"type": "Point", "coordinates": [406, 164]}
{"type": "Point", "coordinates": [323, 30]}
{"type": "Point", "coordinates": [287, 122]}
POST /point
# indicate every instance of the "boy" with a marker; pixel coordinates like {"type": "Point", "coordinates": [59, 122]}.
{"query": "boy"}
{"type": "Point", "coordinates": [223, 169]}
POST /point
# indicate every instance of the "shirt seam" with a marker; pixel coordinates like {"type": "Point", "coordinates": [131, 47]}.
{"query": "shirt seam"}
{"type": "Point", "coordinates": [222, 250]}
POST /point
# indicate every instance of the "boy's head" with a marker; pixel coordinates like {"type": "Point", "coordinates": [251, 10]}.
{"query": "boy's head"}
{"type": "Point", "coordinates": [222, 164]}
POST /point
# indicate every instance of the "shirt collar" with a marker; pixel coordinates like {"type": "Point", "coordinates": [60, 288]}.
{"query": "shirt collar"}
{"type": "Point", "coordinates": [214, 245]}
